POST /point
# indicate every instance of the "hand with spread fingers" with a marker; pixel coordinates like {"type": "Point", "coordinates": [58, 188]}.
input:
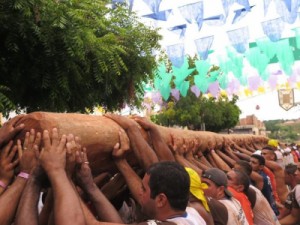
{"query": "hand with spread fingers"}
{"type": "Point", "coordinates": [73, 145]}
{"type": "Point", "coordinates": [53, 155]}
{"type": "Point", "coordinates": [121, 147]}
{"type": "Point", "coordinates": [9, 129]}
{"type": "Point", "coordinates": [8, 163]}
{"type": "Point", "coordinates": [84, 177]}
{"type": "Point", "coordinates": [29, 152]}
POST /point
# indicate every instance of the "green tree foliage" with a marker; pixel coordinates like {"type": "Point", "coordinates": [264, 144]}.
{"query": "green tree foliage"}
{"type": "Point", "coordinates": [216, 114]}
{"type": "Point", "coordinates": [283, 131]}
{"type": "Point", "coordinates": [71, 55]}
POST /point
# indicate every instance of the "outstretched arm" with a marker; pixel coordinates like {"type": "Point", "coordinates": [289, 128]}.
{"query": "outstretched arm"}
{"type": "Point", "coordinates": [7, 165]}
{"type": "Point", "coordinates": [9, 130]}
{"type": "Point", "coordinates": [160, 146]}
{"type": "Point", "coordinates": [28, 159]}
{"type": "Point", "coordinates": [105, 210]}
{"type": "Point", "coordinates": [143, 152]}
{"type": "Point", "coordinates": [133, 181]}
{"type": "Point", "coordinates": [67, 208]}
{"type": "Point", "coordinates": [28, 207]}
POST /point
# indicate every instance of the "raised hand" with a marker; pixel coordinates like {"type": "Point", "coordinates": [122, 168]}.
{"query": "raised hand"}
{"type": "Point", "coordinates": [72, 145]}
{"type": "Point", "coordinates": [29, 152]}
{"type": "Point", "coordinates": [9, 129]}
{"type": "Point", "coordinates": [7, 163]}
{"type": "Point", "coordinates": [121, 147]}
{"type": "Point", "coordinates": [53, 155]}
{"type": "Point", "coordinates": [123, 121]}
{"type": "Point", "coordinates": [144, 123]}
{"type": "Point", "coordinates": [177, 145]}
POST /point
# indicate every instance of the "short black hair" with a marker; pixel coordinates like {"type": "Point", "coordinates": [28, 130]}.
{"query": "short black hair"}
{"type": "Point", "coordinates": [243, 179]}
{"type": "Point", "coordinates": [171, 179]}
{"type": "Point", "coordinates": [246, 167]}
{"type": "Point", "coordinates": [261, 160]}
{"type": "Point", "coordinates": [290, 168]}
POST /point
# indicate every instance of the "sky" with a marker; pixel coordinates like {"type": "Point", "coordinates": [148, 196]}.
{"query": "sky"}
{"type": "Point", "coordinates": [268, 103]}
{"type": "Point", "coordinates": [269, 108]}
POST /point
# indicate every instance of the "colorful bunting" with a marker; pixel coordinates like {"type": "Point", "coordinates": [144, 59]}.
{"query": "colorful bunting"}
{"type": "Point", "coordinates": [273, 28]}
{"type": "Point", "coordinates": [193, 13]}
{"type": "Point", "coordinates": [179, 30]}
{"type": "Point", "coordinates": [162, 15]}
{"type": "Point", "coordinates": [176, 54]}
{"type": "Point", "coordinates": [203, 46]}
{"type": "Point", "coordinates": [239, 39]}
{"type": "Point", "coordinates": [153, 5]}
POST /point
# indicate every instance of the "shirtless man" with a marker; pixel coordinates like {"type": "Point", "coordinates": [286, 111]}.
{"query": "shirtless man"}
{"type": "Point", "coordinates": [270, 161]}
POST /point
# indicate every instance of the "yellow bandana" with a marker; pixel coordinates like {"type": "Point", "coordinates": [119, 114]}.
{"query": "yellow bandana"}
{"type": "Point", "coordinates": [196, 187]}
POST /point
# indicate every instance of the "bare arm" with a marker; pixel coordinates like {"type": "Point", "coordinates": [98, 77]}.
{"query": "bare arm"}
{"type": "Point", "coordinates": [9, 129]}
{"type": "Point", "coordinates": [7, 165]}
{"type": "Point", "coordinates": [161, 148]}
{"type": "Point", "coordinates": [11, 197]}
{"type": "Point", "coordinates": [133, 181]}
{"type": "Point", "coordinates": [291, 219]}
{"type": "Point", "coordinates": [67, 208]}
{"type": "Point", "coordinates": [144, 153]}
{"type": "Point", "coordinates": [105, 210]}
{"type": "Point", "coordinates": [27, 211]}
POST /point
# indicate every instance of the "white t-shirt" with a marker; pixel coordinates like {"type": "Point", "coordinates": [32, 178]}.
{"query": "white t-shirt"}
{"type": "Point", "coordinates": [236, 215]}
{"type": "Point", "coordinates": [262, 211]}
{"type": "Point", "coordinates": [192, 218]}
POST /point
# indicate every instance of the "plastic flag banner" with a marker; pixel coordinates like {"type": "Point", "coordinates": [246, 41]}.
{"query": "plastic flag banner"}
{"type": "Point", "coordinates": [217, 20]}
{"type": "Point", "coordinates": [285, 55]}
{"type": "Point", "coordinates": [153, 5]}
{"type": "Point", "coordinates": [273, 81]}
{"type": "Point", "coordinates": [273, 29]}
{"type": "Point", "coordinates": [182, 72]}
{"type": "Point", "coordinates": [240, 13]}
{"type": "Point", "coordinates": [233, 86]}
{"type": "Point", "coordinates": [162, 15]}
{"type": "Point", "coordinates": [214, 89]}
{"type": "Point", "coordinates": [266, 6]}
{"type": "Point", "coordinates": [193, 13]}
{"type": "Point", "coordinates": [195, 90]}
{"type": "Point", "coordinates": [254, 82]}
{"type": "Point", "coordinates": [175, 93]}
{"type": "Point", "coordinates": [179, 30]}
{"type": "Point", "coordinates": [259, 61]}
{"type": "Point", "coordinates": [239, 39]}
{"type": "Point", "coordinates": [176, 54]}
{"type": "Point", "coordinates": [287, 9]}
{"type": "Point", "coordinates": [203, 46]}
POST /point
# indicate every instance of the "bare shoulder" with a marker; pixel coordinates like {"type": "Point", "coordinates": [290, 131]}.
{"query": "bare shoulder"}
{"type": "Point", "coordinates": [156, 222]}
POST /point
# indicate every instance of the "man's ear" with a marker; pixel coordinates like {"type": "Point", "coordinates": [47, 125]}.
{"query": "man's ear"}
{"type": "Point", "coordinates": [220, 192]}
{"type": "Point", "coordinates": [161, 200]}
{"type": "Point", "coordinates": [240, 188]}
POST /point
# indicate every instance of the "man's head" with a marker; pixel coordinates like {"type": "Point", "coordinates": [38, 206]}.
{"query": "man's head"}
{"type": "Point", "coordinates": [243, 166]}
{"type": "Point", "coordinates": [216, 181]}
{"type": "Point", "coordinates": [165, 183]}
{"type": "Point", "coordinates": [292, 174]}
{"type": "Point", "coordinates": [268, 152]}
{"type": "Point", "coordinates": [238, 180]}
{"type": "Point", "coordinates": [257, 162]}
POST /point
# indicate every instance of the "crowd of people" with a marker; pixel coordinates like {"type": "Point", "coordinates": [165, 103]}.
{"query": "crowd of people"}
{"type": "Point", "coordinates": [46, 179]}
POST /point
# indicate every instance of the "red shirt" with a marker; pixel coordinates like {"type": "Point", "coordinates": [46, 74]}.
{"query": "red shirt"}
{"type": "Point", "coordinates": [245, 203]}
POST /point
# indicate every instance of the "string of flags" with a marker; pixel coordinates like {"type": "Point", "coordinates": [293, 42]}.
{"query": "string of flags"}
{"type": "Point", "coordinates": [260, 46]}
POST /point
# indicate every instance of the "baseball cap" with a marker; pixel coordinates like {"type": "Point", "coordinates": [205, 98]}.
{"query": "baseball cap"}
{"type": "Point", "coordinates": [218, 177]}
{"type": "Point", "coordinates": [196, 187]}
